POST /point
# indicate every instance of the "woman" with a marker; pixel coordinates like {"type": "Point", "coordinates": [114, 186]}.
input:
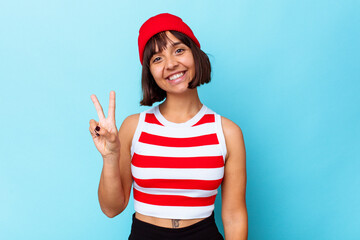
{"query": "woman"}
{"type": "Point", "coordinates": [175, 154]}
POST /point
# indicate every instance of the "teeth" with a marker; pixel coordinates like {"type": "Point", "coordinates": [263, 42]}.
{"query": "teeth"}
{"type": "Point", "coordinates": [173, 77]}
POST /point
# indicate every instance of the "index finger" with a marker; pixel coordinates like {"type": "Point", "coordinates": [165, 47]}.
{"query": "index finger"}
{"type": "Point", "coordinates": [98, 107]}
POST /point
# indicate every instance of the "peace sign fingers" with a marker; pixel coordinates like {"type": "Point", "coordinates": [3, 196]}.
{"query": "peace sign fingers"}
{"type": "Point", "coordinates": [98, 107]}
{"type": "Point", "coordinates": [104, 132]}
{"type": "Point", "coordinates": [111, 111]}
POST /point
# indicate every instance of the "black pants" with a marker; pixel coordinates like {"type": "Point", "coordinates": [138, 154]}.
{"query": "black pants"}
{"type": "Point", "coordinates": [206, 229]}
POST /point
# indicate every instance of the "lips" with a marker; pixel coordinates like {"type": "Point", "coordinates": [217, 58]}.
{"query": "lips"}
{"type": "Point", "coordinates": [175, 76]}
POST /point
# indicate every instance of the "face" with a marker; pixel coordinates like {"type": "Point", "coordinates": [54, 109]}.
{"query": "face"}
{"type": "Point", "coordinates": [174, 67]}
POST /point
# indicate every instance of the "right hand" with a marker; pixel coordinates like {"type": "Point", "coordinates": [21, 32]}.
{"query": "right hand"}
{"type": "Point", "coordinates": [106, 138]}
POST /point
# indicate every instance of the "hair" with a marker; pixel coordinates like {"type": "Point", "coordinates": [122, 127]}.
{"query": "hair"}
{"type": "Point", "coordinates": [151, 91]}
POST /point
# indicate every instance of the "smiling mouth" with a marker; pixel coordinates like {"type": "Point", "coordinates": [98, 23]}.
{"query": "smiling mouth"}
{"type": "Point", "coordinates": [176, 76]}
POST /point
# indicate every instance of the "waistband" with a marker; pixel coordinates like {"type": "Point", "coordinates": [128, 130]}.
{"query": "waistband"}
{"type": "Point", "coordinates": [203, 223]}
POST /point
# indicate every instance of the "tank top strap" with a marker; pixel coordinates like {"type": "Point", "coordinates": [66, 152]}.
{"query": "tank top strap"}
{"type": "Point", "coordinates": [220, 134]}
{"type": "Point", "coordinates": [139, 129]}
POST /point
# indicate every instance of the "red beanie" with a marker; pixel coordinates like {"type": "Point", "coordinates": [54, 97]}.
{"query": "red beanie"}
{"type": "Point", "coordinates": [160, 23]}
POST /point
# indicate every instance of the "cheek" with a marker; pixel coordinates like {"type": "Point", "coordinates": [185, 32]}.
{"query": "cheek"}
{"type": "Point", "coordinates": [190, 62]}
{"type": "Point", "coordinates": [155, 72]}
{"type": "Point", "coordinates": [191, 66]}
{"type": "Point", "coordinates": [157, 75]}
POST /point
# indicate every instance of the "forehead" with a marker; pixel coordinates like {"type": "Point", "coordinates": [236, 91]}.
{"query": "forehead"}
{"type": "Point", "coordinates": [171, 37]}
{"type": "Point", "coordinates": [164, 40]}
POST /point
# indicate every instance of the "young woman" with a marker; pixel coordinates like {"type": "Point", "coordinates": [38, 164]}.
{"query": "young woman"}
{"type": "Point", "coordinates": [175, 154]}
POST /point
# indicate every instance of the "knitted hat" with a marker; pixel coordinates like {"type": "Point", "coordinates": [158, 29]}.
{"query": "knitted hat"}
{"type": "Point", "coordinates": [159, 23]}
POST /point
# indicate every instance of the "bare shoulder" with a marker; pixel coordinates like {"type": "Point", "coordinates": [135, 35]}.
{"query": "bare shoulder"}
{"type": "Point", "coordinates": [128, 127]}
{"type": "Point", "coordinates": [233, 136]}
{"type": "Point", "coordinates": [230, 128]}
{"type": "Point", "coordinates": [131, 120]}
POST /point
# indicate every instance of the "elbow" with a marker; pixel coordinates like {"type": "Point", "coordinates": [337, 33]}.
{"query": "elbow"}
{"type": "Point", "coordinates": [235, 225]}
{"type": "Point", "coordinates": [235, 217]}
{"type": "Point", "coordinates": [111, 210]}
{"type": "Point", "coordinates": [110, 213]}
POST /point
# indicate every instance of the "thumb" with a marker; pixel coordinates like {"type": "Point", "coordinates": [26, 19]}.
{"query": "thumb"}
{"type": "Point", "coordinates": [102, 132]}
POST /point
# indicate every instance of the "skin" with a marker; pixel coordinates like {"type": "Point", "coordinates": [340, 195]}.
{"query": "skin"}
{"type": "Point", "coordinates": [181, 104]}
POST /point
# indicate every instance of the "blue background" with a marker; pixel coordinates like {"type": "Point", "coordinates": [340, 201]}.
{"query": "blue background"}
{"type": "Point", "coordinates": [287, 72]}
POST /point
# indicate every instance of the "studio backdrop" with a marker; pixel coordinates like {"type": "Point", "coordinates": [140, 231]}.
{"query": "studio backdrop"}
{"type": "Point", "coordinates": [286, 72]}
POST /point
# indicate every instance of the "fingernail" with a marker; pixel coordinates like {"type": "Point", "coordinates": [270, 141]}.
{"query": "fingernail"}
{"type": "Point", "coordinates": [97, 128]}
{"type": "Point", "coordinates": [97, 134]}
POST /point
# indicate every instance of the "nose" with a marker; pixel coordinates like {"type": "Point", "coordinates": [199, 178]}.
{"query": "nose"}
{"type": "Point", "coordinates": [171, 62]}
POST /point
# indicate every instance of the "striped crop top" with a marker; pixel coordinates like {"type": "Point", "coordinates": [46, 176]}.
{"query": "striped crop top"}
{"type": "Point", "coordinates": [177, 167]}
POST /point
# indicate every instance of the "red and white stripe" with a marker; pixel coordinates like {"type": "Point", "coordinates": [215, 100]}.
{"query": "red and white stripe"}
{"type": "Point", "coordinates": [177, 168]}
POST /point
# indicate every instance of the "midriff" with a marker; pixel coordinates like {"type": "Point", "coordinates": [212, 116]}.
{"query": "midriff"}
{"type": "Point", "coordinates": [167, 223]}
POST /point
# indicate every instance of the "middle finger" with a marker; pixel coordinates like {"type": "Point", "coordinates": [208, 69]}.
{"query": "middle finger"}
{"type": "Point", "coordinates": [111, 112]}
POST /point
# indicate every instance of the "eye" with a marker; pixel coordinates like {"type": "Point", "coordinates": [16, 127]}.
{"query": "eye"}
{"type": "Point", "coordinates": [179, 50]}
{"type": "Point", "coordinates": [156, 59]}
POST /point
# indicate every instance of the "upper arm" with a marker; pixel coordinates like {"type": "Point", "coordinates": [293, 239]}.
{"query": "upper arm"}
{"type": "Point", "coordinates": [126, 133]}
{"type": "Point", "coordinates": [233, 187]}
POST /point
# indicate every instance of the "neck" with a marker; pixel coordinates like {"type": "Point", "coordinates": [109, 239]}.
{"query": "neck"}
{"type": "Point", "coordinates": [180, 108]}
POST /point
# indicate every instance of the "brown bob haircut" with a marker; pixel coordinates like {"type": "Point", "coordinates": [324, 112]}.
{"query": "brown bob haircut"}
{"type": "Point", "coordinates": [151, 91]}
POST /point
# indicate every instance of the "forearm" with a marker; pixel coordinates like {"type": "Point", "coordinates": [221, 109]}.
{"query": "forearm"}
{"type": "Point", "coordinates": [236, 226]}
{"type": "Point", "coordinates": [110, 192]}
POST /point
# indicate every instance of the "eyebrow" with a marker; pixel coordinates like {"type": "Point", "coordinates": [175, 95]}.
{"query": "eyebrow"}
{"type": "Point", "coordinates": [173, 44]}
{"type": "Point", "coordinates": [176, 43]}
